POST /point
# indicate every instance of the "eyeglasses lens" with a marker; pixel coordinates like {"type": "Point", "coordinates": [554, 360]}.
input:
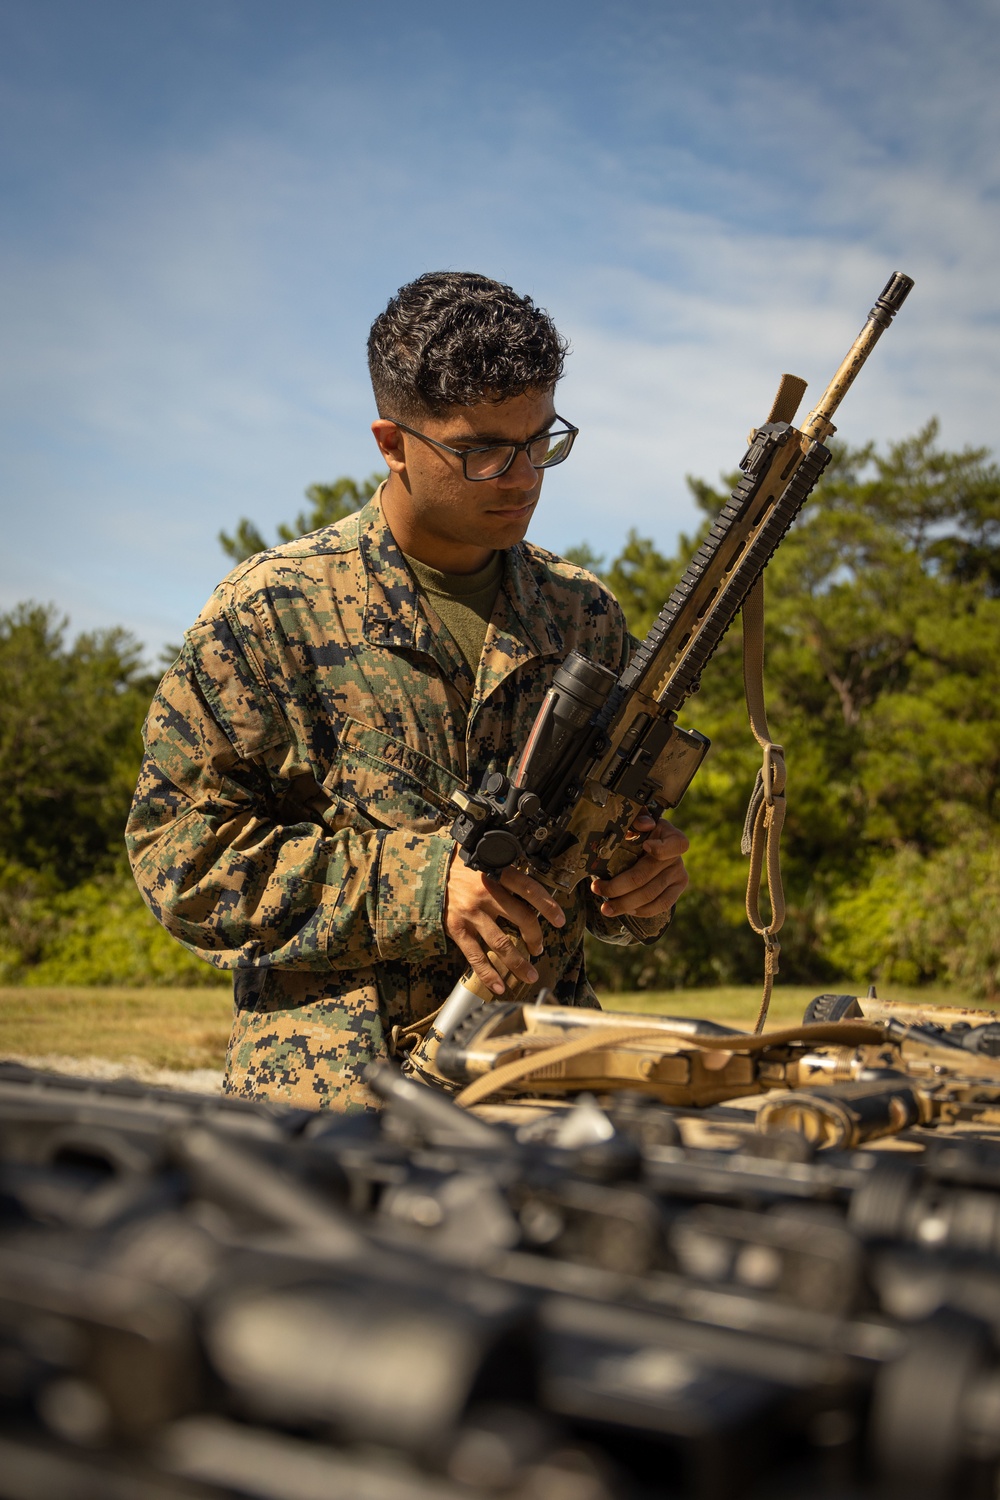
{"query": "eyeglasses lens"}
{"type": "Point", "coordinates": [545, 451]}
{"type": "Point", "coordinates": [550, 449]}
{"type": "Point", "coordinates": [489, 462]}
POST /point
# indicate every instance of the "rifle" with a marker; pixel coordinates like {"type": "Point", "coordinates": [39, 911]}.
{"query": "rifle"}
{"type": "Point", "coordinates": [844, 1077]}
{"type": "Point", "coordinates": [194, 1309]}
{"type": "Point", "coordinates": [603, 748]}
{"type": "Point", "coordinates": [931, 1072]}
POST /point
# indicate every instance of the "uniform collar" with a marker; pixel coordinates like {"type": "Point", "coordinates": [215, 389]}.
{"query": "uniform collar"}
{"type": "Point", "coordinates": [395, 617]}
{"type": "Point", "coordinates": [392, 615]}
{"type": "Point", "coordinates": [522, 626]}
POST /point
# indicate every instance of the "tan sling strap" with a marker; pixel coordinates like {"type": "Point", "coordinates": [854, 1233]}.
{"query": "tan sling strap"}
{"type": "Point", "coordinates": [404, 1037]}
{"type": "Point", "coordinates": [766, 812]}
{"type": "Point", "coordinates": [599, 1039]}
{"type": "Point", "coordinates": [523, 1067]}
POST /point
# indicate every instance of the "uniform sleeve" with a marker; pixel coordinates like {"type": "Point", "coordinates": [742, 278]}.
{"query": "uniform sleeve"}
{"type": "Point", "coordinates": [226, 867]}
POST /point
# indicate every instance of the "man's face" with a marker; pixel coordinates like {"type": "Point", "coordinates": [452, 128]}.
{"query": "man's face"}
{"type": "Point", "coordinates": [439, 516]}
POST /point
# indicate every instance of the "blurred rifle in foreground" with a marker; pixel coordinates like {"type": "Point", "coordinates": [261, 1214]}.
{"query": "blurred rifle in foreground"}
{"type": "Point", "coordinates": [203, 1298]}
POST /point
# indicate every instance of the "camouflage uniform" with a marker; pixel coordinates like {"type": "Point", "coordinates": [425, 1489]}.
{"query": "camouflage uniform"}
{"type": "Point", "coordinates": [292, 813]}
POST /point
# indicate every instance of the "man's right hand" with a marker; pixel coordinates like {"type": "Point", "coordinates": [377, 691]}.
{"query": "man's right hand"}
{"type": "Point", "coordinates": [475, 905]}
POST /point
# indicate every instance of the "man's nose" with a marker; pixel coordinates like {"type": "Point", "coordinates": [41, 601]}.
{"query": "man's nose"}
{"type": "Point", "coordinates": [520, 475]}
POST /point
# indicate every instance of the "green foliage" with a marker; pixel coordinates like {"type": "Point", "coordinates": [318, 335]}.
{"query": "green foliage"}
{"type": "Point", "coordinates": [924, 918]}
{"type": "Point", "coordinates": [24, 902]}
{"type": "Point", "coordinates": [98, 933]}
{"type": "Point", "coordinates": [883, 674]}
{"type": "Point", "coordinates": [70, 742]}
{"type": "Point", "coordinates": [883, 677]}
{"type": "Point", "coordinates": [641, 578]}
{"type": "Point", "coordinates": [329, 502]}
{"type": "Point", "coordinates": [246, 541]}
{"type": "Point", "coordinates": [70, 748]}
{"type": "Point", "coordinates": [585, 557]}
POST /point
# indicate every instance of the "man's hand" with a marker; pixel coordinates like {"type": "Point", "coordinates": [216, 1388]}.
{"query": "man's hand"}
{"type": "Point", "coordinates": [658, 878]}
{"type": "Point", "coordinates": [476, 904]}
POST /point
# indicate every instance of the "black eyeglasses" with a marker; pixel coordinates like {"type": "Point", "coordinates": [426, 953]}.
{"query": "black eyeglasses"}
{"type": "Point", "coordinates": [489, 462]}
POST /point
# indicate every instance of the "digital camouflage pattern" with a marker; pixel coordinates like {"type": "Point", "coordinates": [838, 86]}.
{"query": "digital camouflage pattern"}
{"type": "Point", "coordinates": [292, 814]}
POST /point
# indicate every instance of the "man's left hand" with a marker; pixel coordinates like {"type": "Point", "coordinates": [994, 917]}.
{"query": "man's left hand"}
{"type": "Point", "coordinates": [653, 885]}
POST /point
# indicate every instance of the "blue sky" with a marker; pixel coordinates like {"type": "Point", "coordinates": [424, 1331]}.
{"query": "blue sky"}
{"type": "Point", "coordinates": [205, 202]}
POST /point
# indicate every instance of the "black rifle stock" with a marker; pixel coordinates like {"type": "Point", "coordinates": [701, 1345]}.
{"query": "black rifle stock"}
{"type": "Point", "coordinates": [604, 748]}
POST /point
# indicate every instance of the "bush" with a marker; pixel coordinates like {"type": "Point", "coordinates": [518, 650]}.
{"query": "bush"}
{"type": "Point", "coordinates": [923, 918]}
{"type": "Point", "coordinates": [98, 933]}
{"type": "Point", "coordinates": [69, 743]}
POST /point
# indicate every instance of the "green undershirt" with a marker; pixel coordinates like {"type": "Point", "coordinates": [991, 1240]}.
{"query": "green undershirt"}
{"type": "Point", "coordinates": [464, 601]}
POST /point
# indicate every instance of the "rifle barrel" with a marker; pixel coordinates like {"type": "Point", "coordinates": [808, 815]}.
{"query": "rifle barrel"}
{"type": "Point", "coordinates": [818, 424]}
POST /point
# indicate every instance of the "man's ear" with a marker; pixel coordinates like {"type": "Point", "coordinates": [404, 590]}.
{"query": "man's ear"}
{"type": "Point", "coordinates": [390, 444]}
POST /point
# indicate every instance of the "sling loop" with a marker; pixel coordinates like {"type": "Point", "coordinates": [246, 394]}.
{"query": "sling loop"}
{"type": "Point", "coordinates": [766, 812]}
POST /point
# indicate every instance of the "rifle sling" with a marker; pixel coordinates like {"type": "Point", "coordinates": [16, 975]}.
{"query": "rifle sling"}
{"type": "Point", "coordinates": [766, 812]}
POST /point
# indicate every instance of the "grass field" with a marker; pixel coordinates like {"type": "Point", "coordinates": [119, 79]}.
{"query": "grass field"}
{"type": "Point", "coordinates": [177, 1029]}
{"type": "Point", "coordinates": [188, 1029]}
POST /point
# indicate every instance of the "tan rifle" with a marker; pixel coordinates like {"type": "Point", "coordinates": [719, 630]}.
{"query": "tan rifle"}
{"type": "Point", "coordinates": [840, 1083]}
{"type": "Point", "coordinates": [604, 748]}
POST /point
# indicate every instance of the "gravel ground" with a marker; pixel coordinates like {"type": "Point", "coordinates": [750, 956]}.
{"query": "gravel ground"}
{"type": "Point", "coordinates": [198, 1080]}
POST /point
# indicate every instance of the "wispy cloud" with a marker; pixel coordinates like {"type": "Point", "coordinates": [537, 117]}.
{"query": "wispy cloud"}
{"type": "Point", "coordinates": [701, 202]}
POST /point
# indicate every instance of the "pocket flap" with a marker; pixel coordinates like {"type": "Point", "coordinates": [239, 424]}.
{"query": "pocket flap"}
{"type": "Point", "coordinates": [390, 782]}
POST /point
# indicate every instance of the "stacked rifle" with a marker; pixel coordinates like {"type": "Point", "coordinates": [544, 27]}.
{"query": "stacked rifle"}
{"type": "Point", "coordinates": [853, 1072]}
{"type": "Point", "coordinates": [210, 1298]}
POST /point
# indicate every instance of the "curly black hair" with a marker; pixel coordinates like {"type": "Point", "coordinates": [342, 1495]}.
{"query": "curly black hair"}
{"type": "Point", "coordinates": [454, 338]}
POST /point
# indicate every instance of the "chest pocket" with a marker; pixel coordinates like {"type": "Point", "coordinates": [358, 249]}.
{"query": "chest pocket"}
{"type": "Point", "coordinates": [392, 785]}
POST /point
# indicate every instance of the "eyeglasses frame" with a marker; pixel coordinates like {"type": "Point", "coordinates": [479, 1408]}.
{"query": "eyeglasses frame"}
{"type": "Point", "coordinates": [465, 453]}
